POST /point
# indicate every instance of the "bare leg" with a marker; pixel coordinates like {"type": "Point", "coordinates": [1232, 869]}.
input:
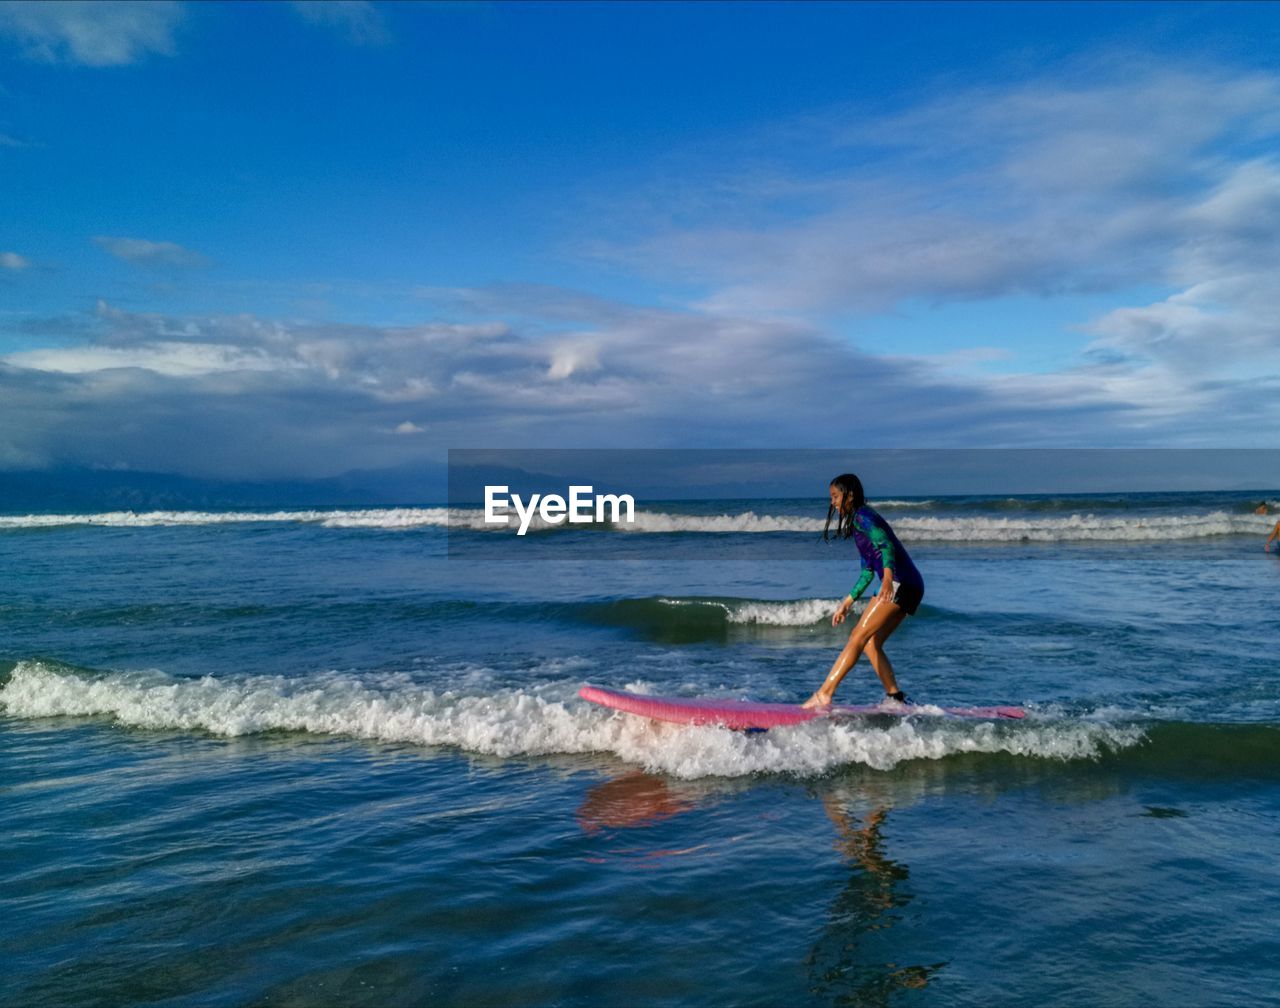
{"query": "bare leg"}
{"type": "Point", "coordinates": [875, 618]}
{"type": "Point", "coordinates": [879, 660]}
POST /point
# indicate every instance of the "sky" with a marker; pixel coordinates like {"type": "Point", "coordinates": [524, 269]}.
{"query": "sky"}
{"type": "Point", "coordinates": [291, 240]}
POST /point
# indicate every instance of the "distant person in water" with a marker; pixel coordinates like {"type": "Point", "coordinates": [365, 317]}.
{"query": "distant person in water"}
{"type": "Point", "coordinates": [1261, 508]}
{"type": "Point", "coordinates": [901, 588]}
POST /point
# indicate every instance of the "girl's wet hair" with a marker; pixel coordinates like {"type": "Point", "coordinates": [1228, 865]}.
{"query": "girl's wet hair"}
{"type": "Point", "coordinates": [851, 499]}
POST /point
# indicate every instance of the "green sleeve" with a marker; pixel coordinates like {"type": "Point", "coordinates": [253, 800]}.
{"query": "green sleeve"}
{"type": "Point", "coordinates": [864, 579]}
{"type": "Point", "coordinates": [881, 542]}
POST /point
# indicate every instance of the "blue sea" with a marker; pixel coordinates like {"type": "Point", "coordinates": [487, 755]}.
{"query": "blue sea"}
{"type": "Point", "coordinates": [337, 757]}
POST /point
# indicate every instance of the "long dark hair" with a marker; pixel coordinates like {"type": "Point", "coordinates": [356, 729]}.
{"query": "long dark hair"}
{"type": "Point", "coordinates": [851, 498]}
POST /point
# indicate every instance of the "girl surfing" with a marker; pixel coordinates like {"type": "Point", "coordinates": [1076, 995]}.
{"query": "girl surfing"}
{"type": "Point", "coordinates": [901, 588]}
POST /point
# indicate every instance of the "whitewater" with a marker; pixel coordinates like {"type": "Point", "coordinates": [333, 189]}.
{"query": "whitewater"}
{"type": "Point", "coordinates": [1034, 526]}
{"type": "Point", "coordinates": [524, 722]}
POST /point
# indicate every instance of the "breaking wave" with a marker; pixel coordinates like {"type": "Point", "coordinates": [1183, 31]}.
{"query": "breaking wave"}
{"type": "Point", "coordinates": [1027, 526]}
{"type": "Point", "coordinates": [689, 620]}
{"type": "Point", "coordinates": [1080, 528]}
{"type": "Point", "coordinates": [389, 518]}
{"type": "Point", "coordinates": [525, 722]}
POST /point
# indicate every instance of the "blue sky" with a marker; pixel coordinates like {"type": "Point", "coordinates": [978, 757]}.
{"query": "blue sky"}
{"type": "Point", "coordinates": [279, 240]}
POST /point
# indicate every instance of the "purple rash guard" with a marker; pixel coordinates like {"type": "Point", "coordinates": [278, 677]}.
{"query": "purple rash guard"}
{"type": "Point", "coordinates": [879, 548]}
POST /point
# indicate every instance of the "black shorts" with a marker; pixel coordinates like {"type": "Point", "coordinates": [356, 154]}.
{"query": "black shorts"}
{"type": "Point", "coordinates": [907, 597]}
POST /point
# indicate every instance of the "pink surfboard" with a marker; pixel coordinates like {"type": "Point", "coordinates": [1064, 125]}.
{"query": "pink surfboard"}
{"type": "Point", "coordinates": [747, 715]}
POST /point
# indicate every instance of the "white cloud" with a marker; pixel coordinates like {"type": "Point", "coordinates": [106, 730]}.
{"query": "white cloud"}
{"type": "Point", "coordinates": [1223, 322]}
{"type": "Point", "coordinates": [388, 364]}
{"type": "Point", "coordinates": [1083, 182]}
{"type": "Point", "coordinates": [575, 356]}
{"type": "Point", "coordinates": [264, 397]}
{"type": "Point", "coordinates": [168, 358]}
{"type": "Point", "coordinates": [95, 33]}
{"type": "Point", "coordinates": [1117, 177]}
{"type": "Point", "coordinates": [359, 21]}
{"type": "Point", "coordinates": [149, 253]}
{"type": "Point", "coordinates": [13, 261]}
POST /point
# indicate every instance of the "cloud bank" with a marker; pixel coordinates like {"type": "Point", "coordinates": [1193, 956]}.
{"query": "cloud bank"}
{"type": "Point", "coordinates": [245, 396]}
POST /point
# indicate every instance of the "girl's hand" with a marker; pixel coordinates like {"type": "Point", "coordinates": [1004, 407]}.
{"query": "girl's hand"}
{"type": "Point", "coordinates": [842, 610]}
{"type": "Point", "coordinates": [886, 585]}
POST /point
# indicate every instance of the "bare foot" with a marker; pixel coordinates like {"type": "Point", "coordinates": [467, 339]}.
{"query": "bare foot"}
{"type": "Point", "coordinates": [817, 700]}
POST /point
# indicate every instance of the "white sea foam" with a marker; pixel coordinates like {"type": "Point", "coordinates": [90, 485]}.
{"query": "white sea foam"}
{"type": "Point", "coordinates": [804, 612]}
{"type": "Point", "coordinates": [369, 518]}
{"type": "Point", "coordinates": [382, 518]}
{"type": "Point", "coordinates": [742, 522]}
{"type": "Point", "coordinates": [1079, 528]}
{"type": "Point", "coordinates": [950, 528]}
{"type": "Point", "coordinates": [1040, 528]}
{"type": "Point", "coordinates": [524, 722]}
{"type": "Point", "coordinates": [402, 518]}
{"type": "Point", "coordinates": [471, 519]}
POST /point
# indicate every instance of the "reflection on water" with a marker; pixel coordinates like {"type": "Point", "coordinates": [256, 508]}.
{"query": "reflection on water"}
{"type": "Point", "coordinates": [635, 799]}
{"type": "Point", "coordinates": [862, 956]}
{"type": "Point", "coordinates": [858, 960]}
{"type": "Point", "coordinates": [632, 801]}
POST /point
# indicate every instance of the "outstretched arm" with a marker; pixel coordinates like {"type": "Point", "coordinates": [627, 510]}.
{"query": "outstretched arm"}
{"type": "Point", "coordinates": [1275, 534]}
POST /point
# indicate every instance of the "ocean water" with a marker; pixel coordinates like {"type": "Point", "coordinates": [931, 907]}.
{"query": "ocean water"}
{"type": "Point", "coordinates": [336, 757]}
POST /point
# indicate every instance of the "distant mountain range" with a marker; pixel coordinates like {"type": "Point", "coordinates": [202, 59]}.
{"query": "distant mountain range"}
{"type": "Point", "coordinates": [81, 491]}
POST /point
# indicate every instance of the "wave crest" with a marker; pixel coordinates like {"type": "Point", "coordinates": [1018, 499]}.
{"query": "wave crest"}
{"type": "Point", "coordinates": [949, 528]}
{"type": "Point", "coordinates": [528, 721]}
